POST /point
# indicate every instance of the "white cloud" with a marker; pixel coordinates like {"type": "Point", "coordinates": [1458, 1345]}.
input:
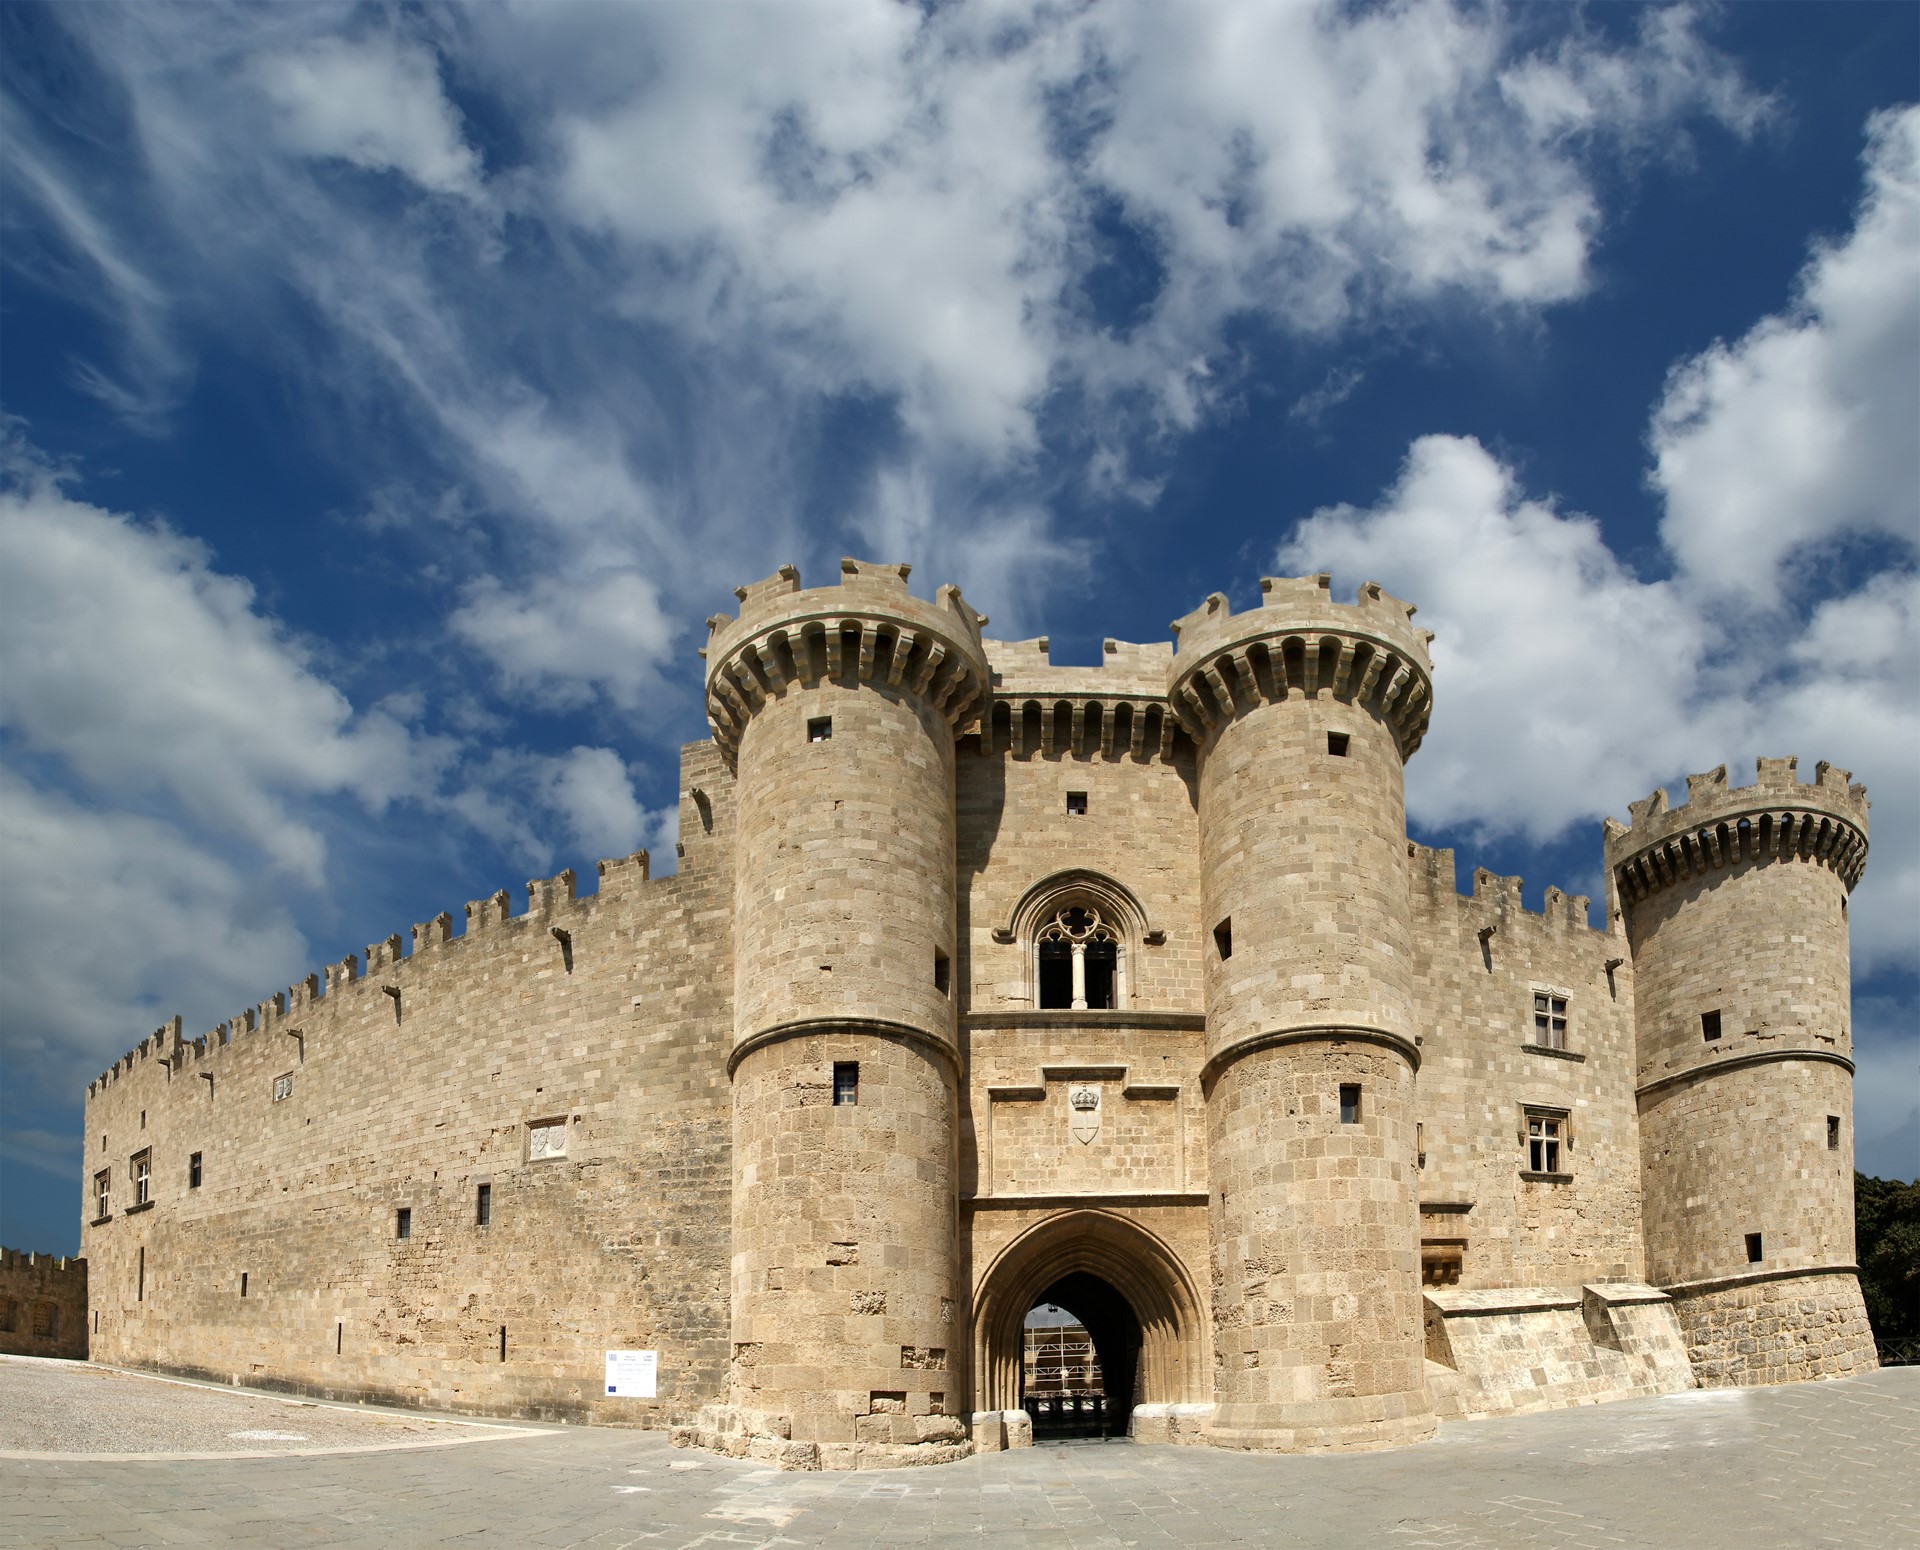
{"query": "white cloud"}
{"type": "Point", "coordinates": [583, 800]}
{"type": "Point", "coordinates": [1802, 432]}
{"type": "Point", "coordinates": [102, 907]}
{"type": "Point", "coordinates": [1560, 678]}
{"type": "Point", "coordinates": [374, 102]}
{"type": "Point", "coordinates": [565, 638]}
{"type": "Point", "coordinates": [1567, 686]}
{"type": "Point", "coordinates": [146, 670]}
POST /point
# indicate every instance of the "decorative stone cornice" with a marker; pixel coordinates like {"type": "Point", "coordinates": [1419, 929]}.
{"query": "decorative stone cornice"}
{"type": "Point", "coordinates": [1778, 818]}
{"type": "Point", "coordinates": [869, 629]}
{"type": "Point", "coordinates": [1302, 642]}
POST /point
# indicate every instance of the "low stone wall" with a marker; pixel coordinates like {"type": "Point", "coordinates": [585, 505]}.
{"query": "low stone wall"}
{"type": "Point", "coordinates": [1498, 1351]}
{"type": "Point", "coordinates": [1775, 1328]}
{"type": "Point", "coordinates": [1182, 1424]}
{"type": "Point", "coordinates": [43, 1305]}
{"type": "Point", "coordinates": [882, 1441]}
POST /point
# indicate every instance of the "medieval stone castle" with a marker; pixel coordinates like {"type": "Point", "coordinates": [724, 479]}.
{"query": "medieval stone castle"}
{"type": "Point", "coordinates": [985, 982]}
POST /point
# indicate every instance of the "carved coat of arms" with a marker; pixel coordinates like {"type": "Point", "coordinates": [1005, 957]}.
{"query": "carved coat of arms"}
{"type": "Point", "coordinates": [1083, 1109]}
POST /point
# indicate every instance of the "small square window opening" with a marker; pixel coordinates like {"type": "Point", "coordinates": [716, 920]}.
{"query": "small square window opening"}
{"type": "Point", "coordinates": [483, 1205]}
{"type": "Point", "coordinates": [1077, 803]}
{"type": "Point", "coordinates": [1223, 938]}
{"type": "Point", "coordinates": [1337, 744]}
{"type": "Point", "coordinates": [846, 1083]}
{"type": "Point", "coordinates": [1753, 1248]}
{"type": "Point", "coordinates": [1833, 1132]}
{"type": "Point", "coordinates": [403, 1222]}
{"type": "Point", "coordinates": [1349, 1103]}
{"type": "Point", "coordinates": [819, 729]}
{"type": "Point", "coordinates": [1549, 1020]}
{"type": "Point", "coordinates": [193, 1171]}
{"type": "Point", "coordinates": [942, 973]}
{"type": "Point", "coordinates": [1709, 1026]}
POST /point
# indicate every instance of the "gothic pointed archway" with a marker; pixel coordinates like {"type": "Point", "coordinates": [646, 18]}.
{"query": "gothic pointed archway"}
{"type": "Point", "coordinates": [1082, 1251]}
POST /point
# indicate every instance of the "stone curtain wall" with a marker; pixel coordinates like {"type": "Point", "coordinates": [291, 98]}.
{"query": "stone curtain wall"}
{"type": "Point", "coordinates": [1477, 1077]}
{"type": "Point", "coordinates": [43, 1305]}
{"type": "Point", "coordinates": [1776, 1331]}
{"type": "Point", "coordinates": [617, 1029]}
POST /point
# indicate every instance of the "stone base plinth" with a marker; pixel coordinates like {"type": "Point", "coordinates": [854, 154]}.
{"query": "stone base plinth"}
{"type": "Point", "coordinates": [1774, 1327]}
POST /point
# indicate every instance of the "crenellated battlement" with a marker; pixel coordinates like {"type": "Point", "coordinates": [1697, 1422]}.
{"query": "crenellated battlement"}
{"type": "Point", "coordinates": [387, 963]}
{"type": "Point", "coordinates": [1301, 642]}
{"type": "Point", "coordinates": [1778, 816]}
{"type": "Point", "coordinates": [868, 629]}
{"type": "Point", "coordinates": [1495, 899]}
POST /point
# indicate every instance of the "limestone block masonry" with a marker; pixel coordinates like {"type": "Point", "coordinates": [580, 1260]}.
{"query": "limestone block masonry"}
{"type": "Point", "coordinates": [43, 1305]}
{"type": "Point", "coordinates": [985, 981]}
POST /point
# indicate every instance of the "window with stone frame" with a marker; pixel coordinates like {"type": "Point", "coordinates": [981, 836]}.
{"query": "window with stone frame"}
{"type": "Point", "coordinates": [1550, 1019]}
{"type": "Point", "coordinates": [140, 1166]}
{"type": "Point", "coordinates": [102, 1194]}
{"type": "Point", "coordinates": [1547, 1143]}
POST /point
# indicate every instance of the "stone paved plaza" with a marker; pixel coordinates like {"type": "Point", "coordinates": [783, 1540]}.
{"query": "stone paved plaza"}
{"type": "Point", "coordinates": [93, 1458]}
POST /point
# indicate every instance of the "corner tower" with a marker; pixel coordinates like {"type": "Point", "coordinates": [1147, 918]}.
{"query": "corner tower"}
{"type": "Point", "coordinates": [1735, 909]}
{"type": "Point", "coordinates": [837, 706]}
{"type": "Point", "coordinates": [1305, 713]}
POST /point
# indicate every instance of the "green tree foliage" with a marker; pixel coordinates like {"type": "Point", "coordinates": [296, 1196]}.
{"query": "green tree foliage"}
{"type": "Point", "coordinates": [1887, 1242]}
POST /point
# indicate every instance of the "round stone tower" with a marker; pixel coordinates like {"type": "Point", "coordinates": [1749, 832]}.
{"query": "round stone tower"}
{"type": "Point", "coordinates": [1305, 712]}
{"type": "Point", "coordinates": [1735, 908]}
{"type": "Point", "coordinates": [838, 706]}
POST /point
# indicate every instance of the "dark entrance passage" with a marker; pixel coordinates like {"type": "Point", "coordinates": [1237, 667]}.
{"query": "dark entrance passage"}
{"type": "Point", "coordinates": [1071, 1392]}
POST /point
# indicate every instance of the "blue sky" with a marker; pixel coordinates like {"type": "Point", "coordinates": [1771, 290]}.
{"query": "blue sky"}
{"type": "Point", "coordinates": [392, 392]}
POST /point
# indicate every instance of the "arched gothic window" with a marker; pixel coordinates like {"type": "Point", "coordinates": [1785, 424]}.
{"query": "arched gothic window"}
{"type": "Point", "coordinates": [1080, 932]}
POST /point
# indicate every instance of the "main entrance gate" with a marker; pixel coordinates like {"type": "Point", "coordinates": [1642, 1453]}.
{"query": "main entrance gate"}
{"type": "Point", "coordinates": [1125, 1286]}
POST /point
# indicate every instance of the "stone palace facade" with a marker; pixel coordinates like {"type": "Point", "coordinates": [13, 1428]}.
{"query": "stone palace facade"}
{"type": "Point", "coordinates": [984, 982]}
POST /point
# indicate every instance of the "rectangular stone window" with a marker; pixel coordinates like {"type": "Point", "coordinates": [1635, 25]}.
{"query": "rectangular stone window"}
{"type": "Point", "coordinates": [193, 1171]}
{"type": "Point", "coordinates": [403, 1222]}
{"type": "Point", "coordinates": [283, 1087]}
{"type": "Point", "coordinates": [1349, 1103]}
{"type": "Point", "coordinates": [1337, 744]}
{"type": "Point", "coordinates": [1709, 1026]}
{"type": "Point", "coordinates": [942, 973]}
{"type": "Point", "coordinates": [1549, 1019]}
{"type": "Point", "coordinates": [483, 1205]}
{"type": "Point", "coordinates": [243, 1283]}
{"type": "Point", "coordinates": [1754, 1248]}
{"type": "Point", "coordinates": [140, 1280]}
{"type": "Point", "coordinates": [819, 729]}
{"type": "Point", "coordinates": [1833, 1132]}
{"type": "Point", "coordinates": [102, 1194]}
{"type": "Point", "coordinates": [1077, 803]}
{"type": "Point", "coordinates": [140, 1165]}
{"type": "Point", "coordinates": [546, 1138]}
{"type": "Point", "coordinates": [846, 1082]}
{"type": "Point", "coordinates": [1547, 1142]}
{"type": "Point", "coordinates": [1223, 938]}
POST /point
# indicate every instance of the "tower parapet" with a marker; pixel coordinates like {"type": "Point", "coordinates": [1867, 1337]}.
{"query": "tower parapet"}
{"type": "Point", "coordinates": [868, 629]}
{"type": "Point", "coordinates": [1735, 910]}
{"type": "Point", "coordinates": [1301, 642]}
{"type": "Point", "coordinates": [1720, 825]}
